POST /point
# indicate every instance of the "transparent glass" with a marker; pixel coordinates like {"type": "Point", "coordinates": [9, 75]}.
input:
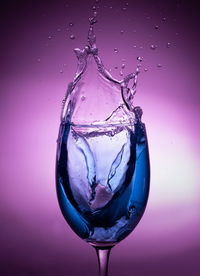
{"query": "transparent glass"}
{"type": "Point", "coordinates": [102, 180]}
{"type": "Point", "coordinates": [102, 164]}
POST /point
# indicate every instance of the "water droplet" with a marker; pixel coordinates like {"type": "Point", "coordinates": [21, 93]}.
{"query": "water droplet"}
{"type": "Point", "coordinates": [153, 47]}
{"type": "Point", "coordinates": [61, 71]}
{"type": "Point", "coordinates": [134, 46]}
{"type": "Point", "coordinates": [64, 64]}
{"type": "Point", "coordinates": [139, 59]}
{"type": "Point", "coordinates": [121, 73]}
{"type": "Point", "coordinates": [83, 98]}
{"type": "Point", "coordinates": [58, 30]}
{"type": "Point", "coordinates": [49, 37]}
{"type": "Point", "coordinates": [111, 7]}
{"type": "Point", "coordinates": [71, 24]}
{"type": "Point", "coordinates": [126, 3]}
{"type": "Point", "coordinates": [94, 8]}
{"type": "Point", "coordinates": [123, 66]}
{"type": "Point", "coordinates": [121, 32]}
{"type": "Point", "coordinates": [116, 50]}
{"type": "Point", "coordinates": [141, 47]}
{"type": "Point", "coordinates": [159, 65]}
{"type": "Point", "coordinates": [38, 59]}
{"type": "Point", "coordinates": [164, 19]}
{"type": "Point", "coordinates": [145, 69]}
{"type": "Point", "coordinates": [92, 20]}
{"type": "Point", "coordinates": [124, 8]}
{"type": "Point", "coordinates": [156, 27]}
{"type": "Point", "coordinates": [95, 13]}
{"type": "Point", "coordinates": [72, 36]}
{"type": "Point", "coordinates": [168, 44]}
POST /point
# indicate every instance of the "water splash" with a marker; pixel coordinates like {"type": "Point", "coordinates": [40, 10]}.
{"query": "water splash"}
{"type": "Point", "coordinates": [102, 164]}
{"type": "Point", "coordinates": [91, 69]}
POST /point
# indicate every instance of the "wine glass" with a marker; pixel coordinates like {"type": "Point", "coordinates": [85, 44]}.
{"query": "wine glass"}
{"type": "Point", "coordinates": [102, 165]}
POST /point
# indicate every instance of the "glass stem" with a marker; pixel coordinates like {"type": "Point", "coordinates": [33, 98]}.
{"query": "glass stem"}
{"type": "Point", "coordinates": [103, 259]}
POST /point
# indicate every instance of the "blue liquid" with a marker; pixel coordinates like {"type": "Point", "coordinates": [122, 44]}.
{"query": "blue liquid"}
{"type": "Point", "coordinates": [102, 198]}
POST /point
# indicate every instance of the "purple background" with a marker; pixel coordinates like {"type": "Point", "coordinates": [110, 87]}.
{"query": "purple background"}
{"type": "Point", "coordinates": [37, 63]}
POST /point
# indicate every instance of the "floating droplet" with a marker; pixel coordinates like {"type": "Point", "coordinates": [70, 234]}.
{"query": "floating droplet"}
{"type": "Point", "coordinates": [92, 20]}
{"type": "Point", "coordinates": [134, 31]}
{"type": "Point", "coordinates": [115, 50]}
{"type": "Point", "coordinates": [49, 37]}
{"type": "Point", "coordinates": [156, 27]}
{"type": "Point", "coordinates": [168, 44]}
{"type": "Point", "coordinates": [71, 24]}
{"type": "Point", "coordinates": [58, 30]}
{"type": "Point", "coordinates": [111, 7]}
{"type": "Point", "coordinates": [94, 8]}
{"type": "Point", "coordinates": [83, 98]}
{"type": "Point", "coordinates": [123, 66]}
{"type": "Point", "coordinates": [139, 59]}
{"type": "Point", "coordinates": [124, 8]}
{"type": "Point", "coordinates": [159, 65]}
{"type": "Point", "coordinates": [153, 47]}
{"type": "Point", "coordinates": [134, 46]}
{"type": "Point", "coordinates": [64, 64]}
{"type": "Point", "coordinates": [141, 47]}
{"type": "Point", "coordinates": [95, 13]}
{"type": "Point", "coordinates": [121, 32]}
{"type": "Point", "coordinates": [145, 69]}
{"type": "Point", "coordinates": [121, 73]}
{"type": "Point", "coordinates": [72, 36]}
{"type": "Point", "coordinates": [164, 19]}
{"type": "Point", "coordinates": [61, 71]}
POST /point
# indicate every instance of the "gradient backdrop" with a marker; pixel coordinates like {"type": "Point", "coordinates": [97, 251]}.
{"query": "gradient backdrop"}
{"type": "Point", "coordinates": [37, 63]}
